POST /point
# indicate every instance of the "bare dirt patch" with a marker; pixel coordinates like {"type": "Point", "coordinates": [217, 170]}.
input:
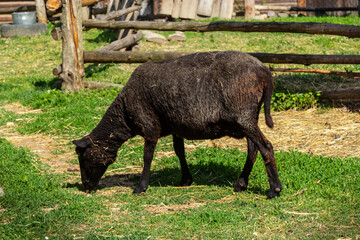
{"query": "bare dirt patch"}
{"type": "Point", "coordinates": [333, 133]}
{"type": "Point", "coordinates": [51, 150]}
{"type": "Point", "coordinates": [19, 109]}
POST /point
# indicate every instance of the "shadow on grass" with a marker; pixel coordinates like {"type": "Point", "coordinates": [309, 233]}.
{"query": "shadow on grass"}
{"type": "Point", "coordinates": [106, 36]}
{"type": "Point", "coordinates": [212, 174]}
{"type": "Point", "coordinates": [96, 68]}
{"type": "Point", "coordinates": [53, 84]}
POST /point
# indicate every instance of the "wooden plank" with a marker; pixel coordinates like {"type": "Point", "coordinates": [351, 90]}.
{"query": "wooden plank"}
{"type": "Point", "coordinates": [350, 31]}
{"type": "Point", "coordinates": [156, 7]}
{"type": "Point", "coordinates": [216, 8]}
{"type": "Point", "coordinates": [166, 7]}
{"type": "Point", "coordinates": [15, 4]}
{"type": "Point", "coordinates": [205, 7]}
{"type": "Point", "coordinates": [141, 57]}
{"type": "Point", "coordinates": [41, 11]}
{"type": "Point", "coordinates": [17, 9]}
{"type": "Point", "coordinates": [341, 94]}
{"type": "Point", "coordinates": [6, 18]}
{"type": "Point", "coordinates": [226, 9]}
{"type": "Point", "coordinates": [189, 9]}
{"type": "Point", "coordinates": [176, 9]}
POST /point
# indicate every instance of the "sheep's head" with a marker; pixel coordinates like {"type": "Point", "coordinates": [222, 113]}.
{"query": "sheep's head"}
{"type": "Point", "coordinates": [93, 162]}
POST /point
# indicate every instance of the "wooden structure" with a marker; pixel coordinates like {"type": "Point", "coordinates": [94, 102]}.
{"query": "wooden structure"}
{"type": "Point", "coordinates": [8, 7]}
{"type": "Point", "coordinates": [311, 28]}
{"type": "Point", "coordinates": [188, 9]}
{"type": "Point", "coordinates": [72, 71]}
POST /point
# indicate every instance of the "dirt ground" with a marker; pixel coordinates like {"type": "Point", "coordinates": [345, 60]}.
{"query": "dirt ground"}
{"type": "Point", "coordinates": [332, 133]}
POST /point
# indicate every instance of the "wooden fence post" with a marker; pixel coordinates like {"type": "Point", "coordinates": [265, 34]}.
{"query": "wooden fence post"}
{"type": "Point", "coordinates": [249, 9]}
{"type": "Point", "coordinates": [73, 71]}
{"type": "Point", "coordinates": [41, 11]}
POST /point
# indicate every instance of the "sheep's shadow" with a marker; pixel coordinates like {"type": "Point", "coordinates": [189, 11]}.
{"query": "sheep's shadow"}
{"type": "Point", "coordinates": [212, 174]}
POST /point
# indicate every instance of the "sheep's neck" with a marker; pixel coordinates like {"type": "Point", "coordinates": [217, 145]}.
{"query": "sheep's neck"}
{"type": "Point", "coordinates": [112, 131]}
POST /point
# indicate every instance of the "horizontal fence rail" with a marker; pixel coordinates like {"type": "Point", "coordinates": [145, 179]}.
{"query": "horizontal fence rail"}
{"type": "Point", "coordinates": [350, 31]}
{"type": "Point", "coordinates": [141, 57]}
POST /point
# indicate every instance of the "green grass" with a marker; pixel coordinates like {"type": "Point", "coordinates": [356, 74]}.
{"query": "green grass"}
{"type": "Point", "coordinates": [319, 200]}
{"type": "Point", "coordinates": [320, 197]}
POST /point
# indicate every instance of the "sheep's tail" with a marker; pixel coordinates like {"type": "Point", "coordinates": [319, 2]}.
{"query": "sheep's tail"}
{"type": "Point", "coordinates": [267, 100]}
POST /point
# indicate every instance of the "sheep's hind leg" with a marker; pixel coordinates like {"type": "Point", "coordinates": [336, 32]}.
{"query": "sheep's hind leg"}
{"type": "Point", "coordinates": [186, 178]}
{"type": "Point", "coordinates": [149, 149]}
{"type": "Point", "coordinates": [257, 137]}
{"type": "Point", "coordinates": [242, 183]}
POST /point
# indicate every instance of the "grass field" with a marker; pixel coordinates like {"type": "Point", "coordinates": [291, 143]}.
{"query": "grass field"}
{"type": "Point", "coordinates": [321, 196]}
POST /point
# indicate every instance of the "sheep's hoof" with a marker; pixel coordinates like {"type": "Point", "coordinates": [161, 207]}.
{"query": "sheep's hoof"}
{"type": "Point", "coordinates": [240, 185]}
{"type": "Point", "coordinates": [139, 189]}
{"type": "Point", "coordinates": [274, 193]}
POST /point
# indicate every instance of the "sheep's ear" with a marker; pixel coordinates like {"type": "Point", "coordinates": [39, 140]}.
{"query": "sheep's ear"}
{"type": "Point", "coordinates": [83, 143]}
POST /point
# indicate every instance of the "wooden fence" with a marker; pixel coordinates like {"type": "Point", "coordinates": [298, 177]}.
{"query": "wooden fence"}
{"type": "Point", "coordinates": [72, 72]}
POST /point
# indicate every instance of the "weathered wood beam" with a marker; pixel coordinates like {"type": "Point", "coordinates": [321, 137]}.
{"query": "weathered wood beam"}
{"type": "Point", "coordinates": [307, 59]}
{"type": "Point", "coordinates": [350, 31]}
{"type": "Point", "coordinates": [123, 43]}
{"type": "Point", "coordinates": [249, 9]}
{"type": "Point", "coordinates": [17, 9]}
{"type": "Point", "coordinates": [90, 2]}
{"type": "Point", "coordinates": [73, 71]}
{"type": "Point", "coordinates": [318, 71]}
{"type": "Point", "coordinates": [341, 94]}
{"type": "Point", "coordinates": [96, 85]}
{"type": "Point", "coordinates": [326, 9]}
{"type": "Point", "coordinates": [304, 9]}
{"type": "Point", "coordinates": [128, 57]}
{"type": "Point", "coordinates": [41, 11]}
{"type": "Point", "coordinates": [119, 13]}
{"type": "Point", "coordinates": [141, 57]}
{"type": "Point", "coordinates": [53, 5]}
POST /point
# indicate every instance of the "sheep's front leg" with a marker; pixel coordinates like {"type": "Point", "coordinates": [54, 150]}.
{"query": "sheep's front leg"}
{"type": "Point", "coordinates": [149, 149]}
{"type": "Point", "coordinates": [186, 178]}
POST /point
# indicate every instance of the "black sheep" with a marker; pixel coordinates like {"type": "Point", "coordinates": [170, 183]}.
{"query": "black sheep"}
{"type": "Point", "coordinates": [199, 96]}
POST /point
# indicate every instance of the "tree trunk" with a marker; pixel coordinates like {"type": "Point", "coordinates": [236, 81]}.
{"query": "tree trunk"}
{"type": "Point", "coordinates": [141, 57]}
{"type": "Point", "coordinates": [73, 73]}
{"type": "Point", "coordinates": [350, 31]}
